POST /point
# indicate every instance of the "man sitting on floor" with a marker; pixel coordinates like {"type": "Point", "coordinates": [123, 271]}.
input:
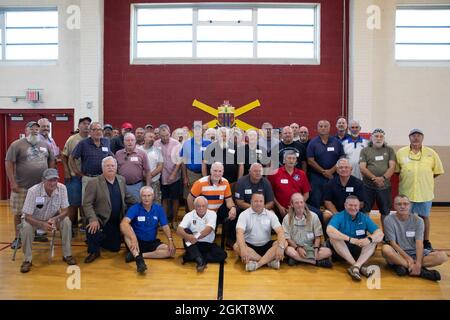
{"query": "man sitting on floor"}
{"type": "Point", "coordinates": [405, 252]}
{"type": "Point", "coordinates": [140, 228]}
{"type": "Point", "coordinates": [348, 237]}
{"type": "Point", "coordinates": [197, 231]}
{"type": "Point", "coordinates": [253, 233]}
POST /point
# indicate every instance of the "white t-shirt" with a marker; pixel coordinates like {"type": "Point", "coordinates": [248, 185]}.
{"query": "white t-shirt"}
{"type": "Point", "coordinates": [154, 156]}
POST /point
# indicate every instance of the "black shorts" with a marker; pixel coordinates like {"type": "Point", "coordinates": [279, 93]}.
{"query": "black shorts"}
{"type": "Point", "coordinates": [148, 246]}
{"type": "Point", "coordinates": [355, 250]}
{"type": "Point", "coordinates": [173, 191]}
{"type": "Point", "coordinates": [261, 250]}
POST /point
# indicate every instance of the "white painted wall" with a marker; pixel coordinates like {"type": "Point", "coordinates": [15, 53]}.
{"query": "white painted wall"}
{"type": "Point", "coordinates": [391, 96]}
{"type": "Point", "coordinates": [76, 77]}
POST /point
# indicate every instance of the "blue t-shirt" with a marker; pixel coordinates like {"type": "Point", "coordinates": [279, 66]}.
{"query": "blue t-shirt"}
{"type": "Point", "coordinates": [357, 228]}
{"type": "Point", "coordinates": [325, 155]}
{"type": "Point", "coordinates": [192, 153]}
{"type": "Point", "coordinates": [144, 223]}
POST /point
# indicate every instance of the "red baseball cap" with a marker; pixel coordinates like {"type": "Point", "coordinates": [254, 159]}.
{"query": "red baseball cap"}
{"type": "Point", "coordinates": [127, 125]}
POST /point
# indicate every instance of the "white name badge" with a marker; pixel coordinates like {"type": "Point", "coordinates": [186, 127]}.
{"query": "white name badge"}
{"type": "Point", "coordinates": [410, 234]}
{"type": "Point", "coordinates": [297, 154]}
{"type": "Point", "coordinates": [155, 218]}
{"type": "Point", "coordinates": [221, 197]}
{"type": "Point", "coordinates": [141, 218]}
{"type": "Point", "coordinates": [134, 159]}
{"type": "Point", "coordinates": [237, 195]}
{"type": "Point", "coordinates": [105, 149]}
{"type": "Point", "coordinates": [330, 149]}
{"type": "Point", "coordinates": [258, 151]}
{"type": "Point", "coordinates": [42, 149]}
{"type": "Point", "coordinates": [379, 158]}
{"type": "Point", "coordinates": [349, 189]}
{"type": "Point", "coordinates": [265, 222]}
{"type": "Point", "coordinates": [40, 200]}
{"type": "Point", "coordinates": [310, 235]}
{"type": "Point", "coordinates": [360, 232]}
{"type": "Point", "coordinates": [248, 191]}
{"type": "Point", "coordinates": [203, 148]}
{"type": "Point", "coordinates": [284, 181]}
{"type": "Point", "coordinates": [231, 151]}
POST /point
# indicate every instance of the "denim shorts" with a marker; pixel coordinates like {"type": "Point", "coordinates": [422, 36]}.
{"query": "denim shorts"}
{"type": "Point", "coordinates": [423, 209]}
{"type": "Point", "coordinates": [73, 186]}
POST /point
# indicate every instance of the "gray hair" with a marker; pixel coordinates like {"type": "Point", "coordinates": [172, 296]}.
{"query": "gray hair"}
{"type": "Point", "coordinates": [288, 153]}
{"type": "Point", "coordinates": [342, 160]}
{"type": "Point", "coordinates": [146, 188]}
{"type": "Point", "coordinates": [217, 163]}
{"type": "Point", "coordinates": [354, 122]}
{"type": "Point", "coordinates": [107, 159]}
{"type": "Point", "coordinates": [199, 198]}
{"type": "Point", "coordinates": [129, 134]}
{"type": "Point", "coordinates": [94, 123]}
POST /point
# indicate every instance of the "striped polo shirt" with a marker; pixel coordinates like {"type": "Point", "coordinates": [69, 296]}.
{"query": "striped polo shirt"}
{"type": "Point", "coordinates": [214, 193]}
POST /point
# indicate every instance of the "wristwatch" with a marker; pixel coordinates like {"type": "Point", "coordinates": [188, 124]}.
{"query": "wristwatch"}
{"type": "Point", "coordinates": [370, 239]}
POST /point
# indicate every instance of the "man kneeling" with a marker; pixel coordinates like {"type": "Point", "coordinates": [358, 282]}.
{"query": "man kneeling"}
{"type": "Point", "coordinates": [253, 234]}
{"type": "Point", "coordinates": [405, 252]}
{"type": "Point", "coordinates": [197, 231]}
{"type": "Point", "coordinates": [140, 227]}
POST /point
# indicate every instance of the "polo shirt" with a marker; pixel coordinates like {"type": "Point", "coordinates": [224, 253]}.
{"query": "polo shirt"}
{"type": "Point", "coordinates": [355, 228]}
{"type": "Point", "coordinates": [91, 156]}
{"type": "Point", "coordinates": [326, 155]}
{"type": "Point", "coordinates": [346, 136]}
{"type": "Point", "coordinates": [335, 192]}
{"type": "Point", "coordinates": [245, 188]}
{"type": "Point", "coordinates": [197, 224]}
{"type": "Point", "coordinates": [352, 149]}
{"type": "Point", "coordinates": [192, 154]}
{"type": "Point", "coordinates": [417, 173]}
{"type": "Point", "coordinates": [295, 146]}
{"type": "Point", "coordinates": [377, 162]}
{"type": "Point", "coordinates": [285, 185]}
{"type": "Point", "coordinates": [214, 193]}
{"type": "Point", "coordinates": [257, 227]}
{"type": "Point", "coordinates": [145, 223]}
{"type": "Point", "coordinates": [132, 166]}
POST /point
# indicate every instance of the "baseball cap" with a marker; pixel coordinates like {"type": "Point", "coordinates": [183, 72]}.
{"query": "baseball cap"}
{"type": "Point", "coordinates": [127, 125]}
{"type": "Point", "coordinates": [378, 130]}
{"type": "Point", "coordinates": [50, 174]}
{"type": "Point", "coordinates": [106, 126]}
{"type": "Point", "coordinates": [32, 123]}
{"type": "Point", "coordinates": [148, 126]}
{"type": "Point", "coordinates": [415, 131]}
{"type": "Point", "coordinates": [85, 118]}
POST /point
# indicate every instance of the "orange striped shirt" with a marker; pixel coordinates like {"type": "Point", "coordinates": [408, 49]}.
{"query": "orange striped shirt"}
{"type": "Point", "coordinates": [215, 194]}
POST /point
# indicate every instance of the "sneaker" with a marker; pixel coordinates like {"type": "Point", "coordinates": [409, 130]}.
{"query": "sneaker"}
{"type": "Point", "coordinates": [292, 262]}
{"type": "Point", "coordinates": [251, 266]}
{"type": "Point", "coordinates": [129, 257]}
{"type": "Point", "coordinates": [16, 244]}
{"type": "Point", "coordinates": [427, 245]}
{"type": "Point", "coordinates": [140, 264]}
{"type": "Point", "coordinates": [433, 275]}
{"type": "Point", "coordinates": [324, 263]}
{"type": "Point", "coordinates": [274, 264]}
{"type": "Point", "coordinates": [399, 270]}
{"type": "Point", "coordinates": [25, 267]}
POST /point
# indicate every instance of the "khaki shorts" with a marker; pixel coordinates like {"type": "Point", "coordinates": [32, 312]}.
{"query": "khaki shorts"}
{"type": "Point", "coordinates": [17, 200]}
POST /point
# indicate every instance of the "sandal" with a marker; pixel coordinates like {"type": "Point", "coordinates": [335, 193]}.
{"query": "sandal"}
{"type": "Point", "coordinates": [366, 272]}
{"type": "Point", "coordinates": [353, 271]}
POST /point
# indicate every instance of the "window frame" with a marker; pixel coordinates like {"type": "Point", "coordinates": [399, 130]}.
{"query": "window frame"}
{"type": "Point", "coordinates": [220, 5]}
{"type": "Point", "coordinates": [5, 9]}
{"type": "Point", "coordinates": [419, 62]}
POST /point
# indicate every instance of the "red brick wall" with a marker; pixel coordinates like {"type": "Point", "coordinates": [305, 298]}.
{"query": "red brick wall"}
{"type": "Point", "coordinates": [164, 93]}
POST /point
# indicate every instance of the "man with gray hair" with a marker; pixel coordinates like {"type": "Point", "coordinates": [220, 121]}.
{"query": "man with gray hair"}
{"type": "Point", "coordinates": [197, 230]}
{"type": "Point", "coordinates": [46, 207]}
{"type": "Point", "coordinates": [377, 164]}
{"type": "Point", "coordinates": [353, 146]}
{"type": "Point", "coordinates": [104, 204]}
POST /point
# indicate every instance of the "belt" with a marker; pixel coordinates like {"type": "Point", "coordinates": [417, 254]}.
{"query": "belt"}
{"type": "Point", "coordinates": [132, 184]}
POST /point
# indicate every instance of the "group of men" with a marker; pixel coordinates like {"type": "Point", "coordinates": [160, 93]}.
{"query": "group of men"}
{"type": "Point", "coordinates": [251, 187]}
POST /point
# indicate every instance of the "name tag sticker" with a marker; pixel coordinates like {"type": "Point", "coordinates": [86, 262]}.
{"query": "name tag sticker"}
{"type": "Point", "coordinates": [310, 235]}
{"type": "Point", "coordinates": [141, 218]}
{"type": "Point", "coordinates": [284, 181]}
{"type": "Point", "coordinates": [155, 218]}
{"type": "Point", "coordinates": [203, 148]}
{"type": "Point", "coordinates": [330, 149]}
{"type": "Point", "coordinates": [349, 189]}
{"type": "Point", "coordinates": [42, 149]}
{"type": "Point", "coordinates": [237, 195]}
{"type": "Point", "coordinates": [410, 234]}
{"type": "Point", "coordinates": [297, 154]}
{"type": "Point", "coordinates": [105, 149]}
{"type": "Point", "coordinates": [221, 197]}
{"type": "Point", "coordinates": [360, 232]}
{"type": "Point", "coordinates": [379, 158]}
{"type": "Point", "coordinates": [134, 159]}
{"type": "Point", "coordinates": [248, 191]}
{"type": "Point", "coordinates": [40, 200]}
{"type": "Point", "coordinates": [258, 151]}
{"type": "Point", "coordinates": [231, 151]}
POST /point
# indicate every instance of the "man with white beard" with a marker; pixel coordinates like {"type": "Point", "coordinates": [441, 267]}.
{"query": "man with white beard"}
{"type": "Point", "coordinates": [26, 160]}
{"type": "Point", "coordinates": [377, 164]}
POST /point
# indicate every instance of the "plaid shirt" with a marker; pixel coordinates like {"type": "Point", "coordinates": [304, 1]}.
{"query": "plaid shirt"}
{"type": "Point", "coordinates": [51, 204]}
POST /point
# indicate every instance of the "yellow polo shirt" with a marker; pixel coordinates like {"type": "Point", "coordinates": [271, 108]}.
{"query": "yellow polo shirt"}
{"type": "Point", "coordinates": [417, 173]}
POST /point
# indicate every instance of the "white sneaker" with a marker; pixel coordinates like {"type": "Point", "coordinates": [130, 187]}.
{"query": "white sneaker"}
{"type": "Point", "coordinates": [251, 266]}
{"type": "Point", "coordinates": [274, 264]}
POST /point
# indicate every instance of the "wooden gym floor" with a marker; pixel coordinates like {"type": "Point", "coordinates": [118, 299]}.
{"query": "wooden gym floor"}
{"type": "Point", "coordinates": [109, 277]}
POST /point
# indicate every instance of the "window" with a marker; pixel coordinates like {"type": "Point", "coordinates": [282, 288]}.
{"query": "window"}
{"type": "Point", "coordinates": [225, 33]}
{"type": "Point", "coordinates": [422, 33]}
{"type": "Point", "coordinates": [29, 34]}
